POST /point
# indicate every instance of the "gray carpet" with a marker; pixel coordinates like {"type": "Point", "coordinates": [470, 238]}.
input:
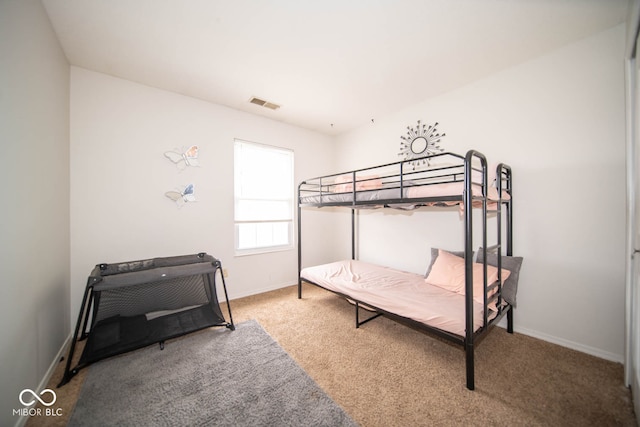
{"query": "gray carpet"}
{"type": "Point", "coordinates": [213, 377]}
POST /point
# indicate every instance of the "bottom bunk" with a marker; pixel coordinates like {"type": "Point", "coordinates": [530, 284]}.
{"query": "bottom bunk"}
{"type": "Point", "coordinates": [433, 302]}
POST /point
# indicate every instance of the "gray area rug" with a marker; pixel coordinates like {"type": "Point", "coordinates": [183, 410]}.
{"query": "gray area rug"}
{"type": "Point", "coordinates": [216, 377]}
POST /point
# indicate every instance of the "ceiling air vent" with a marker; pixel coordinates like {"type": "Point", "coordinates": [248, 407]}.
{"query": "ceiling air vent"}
{"type": "Point", "coordinates": [263, 103]}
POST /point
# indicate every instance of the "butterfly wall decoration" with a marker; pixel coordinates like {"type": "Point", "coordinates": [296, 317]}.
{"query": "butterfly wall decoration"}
{"type": "Point", "coordinates": [183, 196]}
{"type": "Point", "coordinates": [184, 158]}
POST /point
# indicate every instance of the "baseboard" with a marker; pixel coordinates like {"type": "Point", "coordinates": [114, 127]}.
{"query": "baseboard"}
{"type": "Point", "coordinates": [503, 323]}
{"type": "Point", "coordinates": [47, 376]}
{"type": "Point", "coordinates": [61, 353]}
{"type": "Point", "coordinates": [261, 290]}
{"type": "Point", "coordinates": [612, 357]}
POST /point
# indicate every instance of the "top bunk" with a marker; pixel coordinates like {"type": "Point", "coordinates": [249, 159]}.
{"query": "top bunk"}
{"type": "Point", "coordinates": [442, 179]}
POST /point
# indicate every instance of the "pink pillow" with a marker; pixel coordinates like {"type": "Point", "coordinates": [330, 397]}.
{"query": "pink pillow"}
{"type": "Point", "coordinates": [344, 183]}
{"type": "Point", "coordinates": [448, 273]}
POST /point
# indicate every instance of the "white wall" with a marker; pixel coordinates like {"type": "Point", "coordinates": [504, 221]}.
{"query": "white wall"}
{"type": "Point", "coordinates": [558, 120]}
{"type": "Point", "coordinates": [119, 132]}
{"type": "Point", "coordinates": [34, 220]}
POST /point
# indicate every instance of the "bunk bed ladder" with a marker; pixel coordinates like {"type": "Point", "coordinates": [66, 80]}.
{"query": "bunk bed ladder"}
{"type": "Point", "coordinates": [503, 183]}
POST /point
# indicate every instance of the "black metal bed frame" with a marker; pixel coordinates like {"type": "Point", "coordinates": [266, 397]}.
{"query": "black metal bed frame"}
{"type": "Point", "coordinates": [322, 188]}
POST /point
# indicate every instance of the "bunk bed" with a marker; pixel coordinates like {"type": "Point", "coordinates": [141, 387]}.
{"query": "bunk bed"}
{"type": "Point", "coordinates": [463, 314]}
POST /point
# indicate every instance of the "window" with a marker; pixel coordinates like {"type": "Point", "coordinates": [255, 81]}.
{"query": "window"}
{"type": "Point", "coordinates": [263, 189]}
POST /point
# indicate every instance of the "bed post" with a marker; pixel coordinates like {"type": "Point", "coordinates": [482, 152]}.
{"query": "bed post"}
{"type": "Point", "coordinates": [510, 237]}
{"type": "Point", "coordinates": [509, 211]}
{"type": "Point", "coordinates": [299, 243]}
{"type": "Point", "coordinates": [468, 257]}
{"type": "Point", "coordinates": [509, 219]}
{"type": "Point", "coordinates": [353, 234]}
{"type": "Point", "coordinates": [468, 268]}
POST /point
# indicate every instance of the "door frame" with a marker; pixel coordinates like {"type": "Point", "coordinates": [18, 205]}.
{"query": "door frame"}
{"type": "Point", "coordinates": [632, 291]}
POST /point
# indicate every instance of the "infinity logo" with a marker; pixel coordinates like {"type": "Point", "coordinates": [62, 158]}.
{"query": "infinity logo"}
{"type": "Point", "coordinates": [46, 390]}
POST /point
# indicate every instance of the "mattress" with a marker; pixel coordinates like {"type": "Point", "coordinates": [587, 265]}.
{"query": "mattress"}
{"type": "Point", "coordinates": [398, 292]}
{"type": "Point", "coordinates": [442, 194]}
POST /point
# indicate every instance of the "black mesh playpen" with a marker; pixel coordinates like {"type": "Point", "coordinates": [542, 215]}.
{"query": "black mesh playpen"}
{"type": "Point", "coordinates": [131, 305]}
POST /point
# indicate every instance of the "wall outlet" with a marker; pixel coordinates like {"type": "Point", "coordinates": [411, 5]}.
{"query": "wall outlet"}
{"type": "Point", "coordinates": [225, 273]}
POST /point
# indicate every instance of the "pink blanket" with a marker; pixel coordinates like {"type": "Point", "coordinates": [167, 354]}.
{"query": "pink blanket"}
{"type": "Point", "coordinates": [398, 292]}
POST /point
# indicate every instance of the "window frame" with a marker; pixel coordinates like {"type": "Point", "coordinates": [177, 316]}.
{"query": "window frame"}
{"type": "Point", "coordinates": [290, 221]}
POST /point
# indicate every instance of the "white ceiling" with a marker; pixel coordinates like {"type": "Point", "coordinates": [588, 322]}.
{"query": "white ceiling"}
{"type": "Point", "coordinates": [332, 65]}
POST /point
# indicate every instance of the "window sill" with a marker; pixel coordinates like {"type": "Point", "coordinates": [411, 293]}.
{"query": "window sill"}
{"type": "Point", "coordinates": [259, 251]}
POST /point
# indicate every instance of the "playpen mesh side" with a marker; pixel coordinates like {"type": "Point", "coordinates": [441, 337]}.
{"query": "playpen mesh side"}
{"type": "Point", "coordinates": [136, 315]}
{"type": "Point", "coordinates": [130, 305]}
{"type": "Point", "coordinates": [147, 298]}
